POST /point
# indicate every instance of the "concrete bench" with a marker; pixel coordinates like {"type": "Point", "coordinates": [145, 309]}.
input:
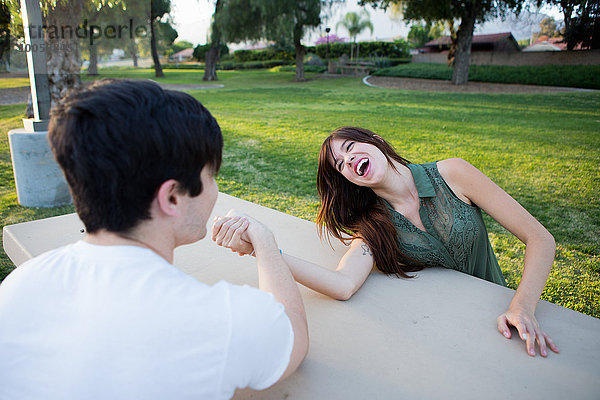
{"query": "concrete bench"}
{"type": "Point", "coordinates": [357, 68]}
{"type": "Point", "coordinates": [432, 337]}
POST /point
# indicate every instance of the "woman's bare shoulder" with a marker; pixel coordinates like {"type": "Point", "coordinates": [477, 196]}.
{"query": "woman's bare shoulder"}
{"type": "Point", "coordinates": [459, 175]}
{"type": "Point", "coordinates": [453, 166]}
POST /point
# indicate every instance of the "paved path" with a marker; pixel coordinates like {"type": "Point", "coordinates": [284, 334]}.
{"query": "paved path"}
{"type": "Point", "coordinates": [18, 95]}
{"type": "Point", "coordinates": [14, 95]}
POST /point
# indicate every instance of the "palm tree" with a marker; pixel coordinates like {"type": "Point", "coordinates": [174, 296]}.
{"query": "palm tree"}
{"type": "Point", "coordinates": [355, 24]}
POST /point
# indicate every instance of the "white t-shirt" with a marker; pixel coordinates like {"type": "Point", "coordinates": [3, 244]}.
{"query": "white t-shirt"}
{"type": "Point", "coordinates": [120, 322]}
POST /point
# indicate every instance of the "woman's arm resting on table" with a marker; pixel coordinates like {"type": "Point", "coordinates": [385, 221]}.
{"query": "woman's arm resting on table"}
{"type": "Point", "coordinates": [472, 186]}
{"type": "Point", "coordinates": [341, 283]}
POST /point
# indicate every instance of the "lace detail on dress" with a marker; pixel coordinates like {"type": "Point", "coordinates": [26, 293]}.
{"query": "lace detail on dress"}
{"type": "Point", "coordinates": [449, 222]}
{"type": "Point", "coordinates": [455, 235]}
{"type": "Point", "coordinates": [454, 221]}
{"type": "Point", "coordinates": [415, 243]}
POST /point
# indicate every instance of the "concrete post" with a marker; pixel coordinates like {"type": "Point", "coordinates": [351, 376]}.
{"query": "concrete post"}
{"type": "Point", "coordinates": [38, 179]}
{"type": "Point", "coordinates": [36, 60]}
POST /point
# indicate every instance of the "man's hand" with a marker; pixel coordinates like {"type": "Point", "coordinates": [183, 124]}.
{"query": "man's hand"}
{"type": "Point", "coordinates": [529, 330]}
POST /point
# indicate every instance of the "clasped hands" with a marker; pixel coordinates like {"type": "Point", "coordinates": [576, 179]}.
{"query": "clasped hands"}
{"type": "Point", "coordinates": [235, 231]}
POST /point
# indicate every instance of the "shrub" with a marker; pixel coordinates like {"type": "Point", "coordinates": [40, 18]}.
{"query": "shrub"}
{"type": "Point", "coordinates": [201, 50]}
{"type": "Point", "coordinates": [313, 59]}
{"type": "Point", "coordinates": [182, 66]}
{"type": "Point", "coordinates": [229, 65]}
{"type": "Point", "coordinates": [292, 68]}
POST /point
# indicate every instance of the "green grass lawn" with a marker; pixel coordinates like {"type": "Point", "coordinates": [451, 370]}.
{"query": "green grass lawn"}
{"type": "Point", "coordinates": [543, 149]}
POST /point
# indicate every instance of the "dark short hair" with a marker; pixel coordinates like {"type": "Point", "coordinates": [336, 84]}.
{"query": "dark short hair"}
{"type": "Point", "coordinates": [117, 141]}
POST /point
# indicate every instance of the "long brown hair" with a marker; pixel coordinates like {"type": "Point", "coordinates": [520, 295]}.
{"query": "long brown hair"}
{"type": "Point", "coordinates": [349, 211]}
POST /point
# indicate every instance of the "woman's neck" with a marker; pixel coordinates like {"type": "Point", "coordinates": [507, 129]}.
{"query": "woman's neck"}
{"type": "Point", "coordinates": [397, 187]}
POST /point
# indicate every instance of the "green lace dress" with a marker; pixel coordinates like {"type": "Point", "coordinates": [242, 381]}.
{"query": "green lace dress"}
{"type": "Point", "coordinates": [455, 235]}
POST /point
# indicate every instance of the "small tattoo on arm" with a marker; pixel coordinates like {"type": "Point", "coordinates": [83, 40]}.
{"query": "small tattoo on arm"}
{"type": "Point", "coordinates": [366, 250]}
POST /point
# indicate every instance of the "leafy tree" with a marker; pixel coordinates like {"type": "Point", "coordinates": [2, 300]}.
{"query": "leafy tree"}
{"type": "Point", "coordinates": [356, 23]}
{"type": "Point", "coordinates": [101, 16]}
{"type": "Point", "coordinates": [5, 34]}
{"type": "Point", "coordinates": [469, 12]}
{"type": "Point", "coordinates": [419, 34]}
{"type": "Point", "coordinates": [158, 8]}
{"type": "Point", "coordinates": [63, 66]}
{"type": "Point", "coordinates": [582, 22]}
{"type": "Point", "coordinates": [282, 21]}
{"type": "Point", "coordinates": [201, 50]}
{"type": "Point", "coordinates": [166, 36]}
{"type": "Point", "coordinates": [548, 29]}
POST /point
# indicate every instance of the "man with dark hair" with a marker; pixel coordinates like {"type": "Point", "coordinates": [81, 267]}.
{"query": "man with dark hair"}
{"type": "Point", "coordinates": [110, 317]}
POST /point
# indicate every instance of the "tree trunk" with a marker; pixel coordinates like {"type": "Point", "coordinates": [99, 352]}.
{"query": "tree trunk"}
{"type": "Point", "coordinates": [212, 55]}
{"type": "Point", "coordinates": [453, 44]}
{"type": "Point", "coordinates": [299, 63]}
{"type": "Point", "coordinates": [158, 72]}
{"type": "Point", "coordinates": [299, 57]}
{"type": "Point", "coordinates": [567, 12]}
{"type": "Point", "coordinates": [210, 63]}
{"type": "Point", "coordinates": [63, 55]}
{"type": "Point", "coordinates": [133, 51]}
{"type": "Point", "coordinates": [460, 73]}
{"type": "Point", "coordinates": [93, 66]}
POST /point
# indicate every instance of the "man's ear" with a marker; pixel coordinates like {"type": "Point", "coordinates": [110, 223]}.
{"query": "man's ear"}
{"type": "Point", "coordinates": [168, 198]}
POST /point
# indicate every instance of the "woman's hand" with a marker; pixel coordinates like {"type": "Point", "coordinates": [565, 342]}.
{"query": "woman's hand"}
{"type": "Point", "coordinates": [528, 328]}
{"type": "Point", "coordinates": [231, 232]}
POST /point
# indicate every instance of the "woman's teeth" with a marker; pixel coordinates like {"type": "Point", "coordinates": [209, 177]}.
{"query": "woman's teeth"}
{"type": "Point", "coordinates": [362, 167]}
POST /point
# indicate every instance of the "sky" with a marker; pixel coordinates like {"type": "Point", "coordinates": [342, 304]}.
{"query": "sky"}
{"type": "Point", "coordinates": [192, 20]}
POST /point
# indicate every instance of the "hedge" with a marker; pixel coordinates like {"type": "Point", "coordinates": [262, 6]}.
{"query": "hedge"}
{"type": "Point", "coordinates": [397, 49]}
{"type": "Point", "coordinates": [393, 50]}
{"type": "Point", "coordinates": [228, 65]}
{"type": "Point", "coordinates": [579, 76]}
{"type": "Point", "coordinates": [270, 53]}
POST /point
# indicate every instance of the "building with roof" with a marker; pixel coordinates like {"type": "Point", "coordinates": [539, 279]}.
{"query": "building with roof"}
{"type": "Point", "coordinates": [504, 42]}
{"type": "Point", "coordinates": [544, 43]}
{"type": "Point", "coordinates": [182, 55]}
{"type": "Point", "coordinates": [503, 49]}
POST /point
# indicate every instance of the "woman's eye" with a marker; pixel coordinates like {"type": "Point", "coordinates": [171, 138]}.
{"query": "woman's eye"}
{"type": "Point", "coordinates": [350, 145]}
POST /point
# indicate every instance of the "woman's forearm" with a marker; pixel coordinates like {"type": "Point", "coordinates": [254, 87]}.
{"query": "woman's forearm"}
{"type": "Point", "coordinates": [539, 256]}
{"type": "Point", "coordinates": [328, 282]}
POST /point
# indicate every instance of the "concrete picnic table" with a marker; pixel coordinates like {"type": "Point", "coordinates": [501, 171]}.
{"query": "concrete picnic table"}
{"type": "Point", "coordinates": [431, 337]}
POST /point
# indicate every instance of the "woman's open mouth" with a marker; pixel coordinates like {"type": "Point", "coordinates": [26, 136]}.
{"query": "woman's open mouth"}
{"type": "Point", "coordinates": [362, 166]}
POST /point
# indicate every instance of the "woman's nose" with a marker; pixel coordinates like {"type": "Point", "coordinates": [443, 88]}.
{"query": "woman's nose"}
{"type": "Point", "coordinates": [349, 158]}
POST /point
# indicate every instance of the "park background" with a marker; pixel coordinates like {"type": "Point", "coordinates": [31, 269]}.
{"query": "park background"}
{"type": "Point", "coordinates": [542, 148]}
